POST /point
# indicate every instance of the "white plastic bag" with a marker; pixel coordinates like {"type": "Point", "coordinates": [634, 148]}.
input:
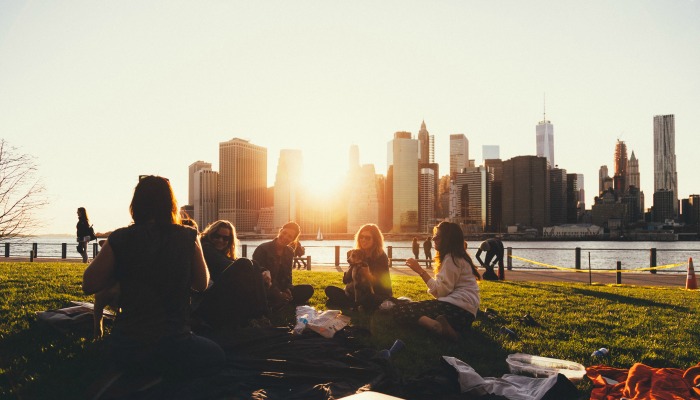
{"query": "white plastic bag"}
{"type": "Point", "coordinates": [328, 323]}
{"type": "Point", "coordinates": [325, 324]}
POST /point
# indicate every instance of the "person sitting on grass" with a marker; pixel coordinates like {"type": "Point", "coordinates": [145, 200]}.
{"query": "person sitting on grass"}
{"type": "Point", "coordinates": [277, 258]}
{"type": "Point", "coordinates": [237, 296]}
{"type": "Point", "coordinates": [454, 287]}
{"type": "Point", "coordinates": [370, 241]}
{"type": "Point", "coordinates": [157, 262]}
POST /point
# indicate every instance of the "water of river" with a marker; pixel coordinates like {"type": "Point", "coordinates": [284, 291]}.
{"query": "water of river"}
{"type": "Point", "coordinates": [597, 254]}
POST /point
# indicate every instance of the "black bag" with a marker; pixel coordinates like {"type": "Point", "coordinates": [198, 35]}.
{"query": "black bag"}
{"type": "Point", "coordinates": [92, 234]}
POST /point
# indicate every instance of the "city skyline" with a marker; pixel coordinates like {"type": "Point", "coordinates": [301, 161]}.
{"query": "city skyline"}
{"type": "Point", "coordinates": [100, 93]}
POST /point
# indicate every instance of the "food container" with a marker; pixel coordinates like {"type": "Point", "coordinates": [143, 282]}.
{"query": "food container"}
{"type": "Point", "coordinates": [542, 367]}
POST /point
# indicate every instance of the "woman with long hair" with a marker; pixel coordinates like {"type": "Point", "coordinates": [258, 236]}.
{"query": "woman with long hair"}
{"type": "Point", "coordinates": [370, 241]}
{"type": "Point", "coordinates": [157, 262]}
{"type": "Point", "coordinates": [83, 232]}
{"type": "Point", "coordinates": [237, 293]}
{"type": "Point", "coordinates": [454, 287]}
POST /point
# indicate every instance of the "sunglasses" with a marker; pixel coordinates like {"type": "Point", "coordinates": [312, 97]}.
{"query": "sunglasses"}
{"type": "Point", "coordinates": [216, 236]}
{"type": "Point", "coordinates": [365, 237]}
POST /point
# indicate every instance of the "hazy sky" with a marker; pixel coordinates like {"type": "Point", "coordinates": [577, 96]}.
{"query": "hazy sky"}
{"type": "Point", "coordinates": [102, 91]}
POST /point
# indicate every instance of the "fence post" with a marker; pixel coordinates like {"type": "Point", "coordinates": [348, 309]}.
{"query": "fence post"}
{"type": "Point", "coordinates": [308, 263]}
{"type": "Point", "coordinates": [35, 249]}
{"type": "Point", "coordinates": [31, 255]}
{"type": "Point", "coordinates": [7, 249]}
{"type": "Point", "coordinates": [619, 273]}
{"type": "Point", "coordinates": [244, 250]}
{"type": "Point", "coordinates": [64, 250]}
{"type": "Point", "coordinates": [652, 259]}
{"type": "Point", "coordinates": [510, 260]}
{"type": "Point", "coordinates": [337, 256]}
{"type": "Point", "coordinates": [578, 258]}
{"type": "Point", "coordinates": [94, 250]}
{"type": "Point", "coordinates": [389, 251]}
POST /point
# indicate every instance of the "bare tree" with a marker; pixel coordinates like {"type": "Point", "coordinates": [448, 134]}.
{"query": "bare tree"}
{"type": "Point", "coordinates": [21, 192]}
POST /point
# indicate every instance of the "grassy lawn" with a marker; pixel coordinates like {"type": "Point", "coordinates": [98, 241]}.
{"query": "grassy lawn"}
{"type": "Point", "coordinates": [655, 326]}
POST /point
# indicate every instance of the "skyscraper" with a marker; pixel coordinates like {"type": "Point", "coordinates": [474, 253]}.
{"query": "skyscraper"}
{"type": "Point", "coordinates": [287, 185]}
{"type": "Point", "coordinates": [427, 195]}
{"type": "Point", "coordinates": [602, 176]}
{"type": "Point", "coordinates": [194, 167]}
{"type": "Point", "coordinates": [545, 140]}
{"type": "Point", "coordinates": [242, 182]}
{"type": "Point", "coordinates": [620, 177]}
{"type": "Point", "coordinates": [363, 202]}
{"type": "Point", "coordinates": [665, 176]}
{"type": "Point", "coordinates": [526, 192]}
{"type": "Point", "coordinates": [206, 190]}
{"type": "Point", "coordinates": [425, 155]}
{"type": "Point", "coordinates": [633, 171]}
{"type": "Point", "coordinates": [402, 161]}
{"type": "Point", "coordinates": [473, 195]}
{"type": "Point", "coordinates": [459, 153]}
{"type": "Point", "coordinates": [558, 196]}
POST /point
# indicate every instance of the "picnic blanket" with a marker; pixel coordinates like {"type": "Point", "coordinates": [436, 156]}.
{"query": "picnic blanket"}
{"type": "Point", "coordinates": [644, 382]}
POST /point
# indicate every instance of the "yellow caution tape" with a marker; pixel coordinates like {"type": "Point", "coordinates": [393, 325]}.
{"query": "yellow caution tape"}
{"type": "Point", "coordinates": [598, 270]}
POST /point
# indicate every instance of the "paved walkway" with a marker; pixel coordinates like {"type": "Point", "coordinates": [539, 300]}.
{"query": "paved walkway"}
{"type": "Point", "coordinates": [663, 279]}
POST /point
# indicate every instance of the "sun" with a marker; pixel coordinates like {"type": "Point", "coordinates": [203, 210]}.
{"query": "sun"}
{"type": "Point", "coordinates": [322, 182]}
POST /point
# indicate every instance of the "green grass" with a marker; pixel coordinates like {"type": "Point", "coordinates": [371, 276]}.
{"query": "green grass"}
{"type": "Point", "coordinates": [655, 326]}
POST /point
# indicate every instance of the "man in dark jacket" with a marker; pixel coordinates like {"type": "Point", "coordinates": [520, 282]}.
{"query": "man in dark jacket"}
{"type": "Point", "coordinates": [494, 251]}
{"type": "Point", "coordinates": [277, 257]}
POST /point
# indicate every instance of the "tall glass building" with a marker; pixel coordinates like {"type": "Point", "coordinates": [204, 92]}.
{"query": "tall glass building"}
{"type": "Point", "coordinates": [242, 182]}
{"type": "Point", "coordinates": [402, 160]}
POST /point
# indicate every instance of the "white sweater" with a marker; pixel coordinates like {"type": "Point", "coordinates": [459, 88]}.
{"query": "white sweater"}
{"type": "Point", "coordinates": [456, 284]}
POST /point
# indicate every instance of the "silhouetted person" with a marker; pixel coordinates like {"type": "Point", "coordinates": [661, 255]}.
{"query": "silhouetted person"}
{"type": "Point", "coordinates": [427, 247]}
{"type": "Point", "coordinates": [494, 254]}
{"type": "Point", "coordinates": [84, 234]}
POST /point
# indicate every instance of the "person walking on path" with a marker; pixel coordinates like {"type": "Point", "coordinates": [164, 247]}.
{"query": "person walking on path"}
{"type": "Point", "coordinates": [416, 248]}
{"type": "Point", "coordinates": [277, 257]}
{"type": "Point", "coordinates": [84, 234]}
{"type": "Point", "coordinates": [454, 287]}
{"type": "Point", "coordinates": [494, 254]}
{"type": "Point", "coordinates": [427, 247]}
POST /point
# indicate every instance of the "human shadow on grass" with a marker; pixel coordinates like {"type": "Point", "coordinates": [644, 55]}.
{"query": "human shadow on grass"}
{"type": "Point", "coordinates": [613, 297]}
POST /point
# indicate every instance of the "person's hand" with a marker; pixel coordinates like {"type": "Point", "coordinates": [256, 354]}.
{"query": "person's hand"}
{"type": "Point", "coordinates": [413, 264]}
{"type": "Point", "coordinates": [267, 278]}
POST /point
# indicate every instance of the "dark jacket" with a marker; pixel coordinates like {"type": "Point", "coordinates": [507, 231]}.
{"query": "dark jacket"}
{"type": "Point", "coordinates": [280, 267]}
{"type": "Point", "coordinates": [379, 267]}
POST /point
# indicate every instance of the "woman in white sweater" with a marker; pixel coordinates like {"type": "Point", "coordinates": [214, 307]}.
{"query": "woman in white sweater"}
{"type": "Point", "coordinates": [454, 287]}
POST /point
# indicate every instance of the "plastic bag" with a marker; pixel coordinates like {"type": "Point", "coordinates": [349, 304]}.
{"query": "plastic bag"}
{"type": "Point", "coordinates": [325, 324]}
{"type": "Point", "coordinates": [328, 323]}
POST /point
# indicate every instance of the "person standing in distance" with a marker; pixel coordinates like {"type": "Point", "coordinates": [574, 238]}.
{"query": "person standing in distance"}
{"type": "Point", "coordinates": [427, 247]}
{"type": "Point", "coordinates": [85, 233]}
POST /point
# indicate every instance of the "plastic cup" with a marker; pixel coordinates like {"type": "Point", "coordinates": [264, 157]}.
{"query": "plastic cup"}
{"type": "Point", "coordinates": [397, 346]}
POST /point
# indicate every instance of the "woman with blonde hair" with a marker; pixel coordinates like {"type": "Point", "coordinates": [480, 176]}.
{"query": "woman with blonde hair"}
{"type": "Point", "coordinates": [454, 287]}
{"type": "Point", "coordinates": [370, 241]}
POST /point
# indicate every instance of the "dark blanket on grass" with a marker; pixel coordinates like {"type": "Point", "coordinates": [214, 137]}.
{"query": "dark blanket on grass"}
{"type": "Point", "coordinates": [270, 363]}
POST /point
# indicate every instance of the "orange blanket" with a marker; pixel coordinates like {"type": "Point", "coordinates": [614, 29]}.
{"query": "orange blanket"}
{"type": "Point", "coordinates": [644, 382]}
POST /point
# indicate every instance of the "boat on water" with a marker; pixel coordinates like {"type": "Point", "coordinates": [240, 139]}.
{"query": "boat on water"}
{"type": "Point", "coordinates": [319, 236]}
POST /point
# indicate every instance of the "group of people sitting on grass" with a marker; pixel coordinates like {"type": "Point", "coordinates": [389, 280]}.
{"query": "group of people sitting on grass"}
{"type": "Point", "coordinates": [173, 280]}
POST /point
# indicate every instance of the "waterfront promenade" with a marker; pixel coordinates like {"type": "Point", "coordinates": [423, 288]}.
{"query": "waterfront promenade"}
{"type": "Point", "coordinates": [661, 279]}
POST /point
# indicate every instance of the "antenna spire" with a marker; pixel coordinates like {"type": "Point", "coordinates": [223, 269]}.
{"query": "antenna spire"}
{"type": "Point", "coordinates": [544, 107]}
